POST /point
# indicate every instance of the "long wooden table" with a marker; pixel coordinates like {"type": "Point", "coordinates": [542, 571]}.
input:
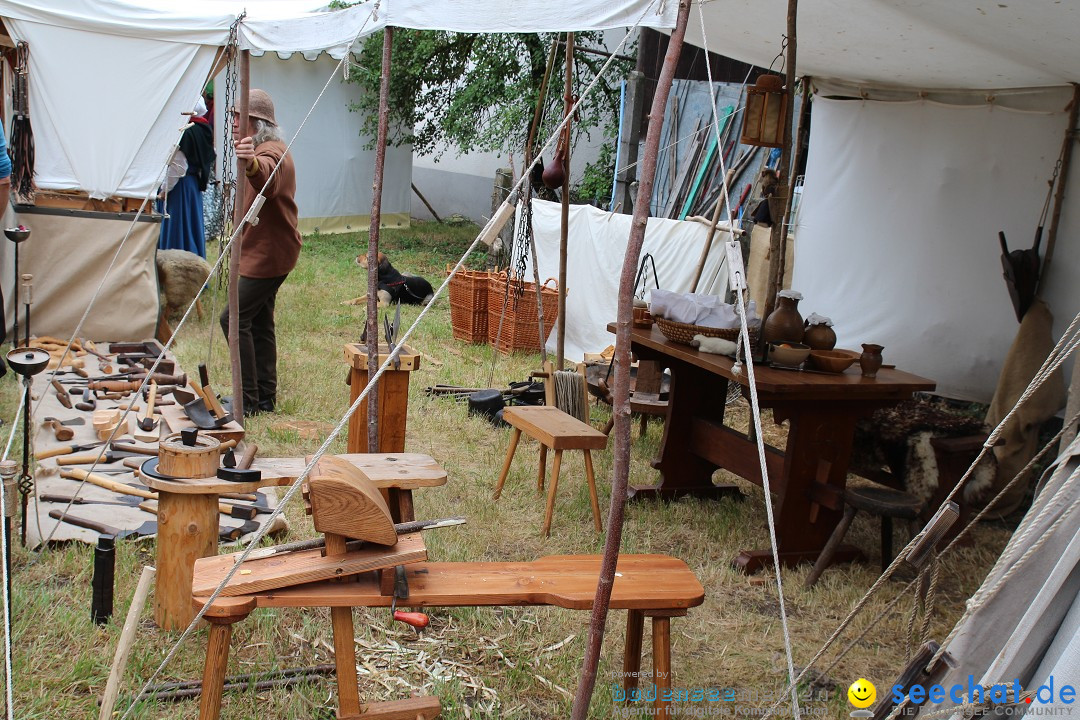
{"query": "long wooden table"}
{"type": "Point", "coordinates": [807, 477]}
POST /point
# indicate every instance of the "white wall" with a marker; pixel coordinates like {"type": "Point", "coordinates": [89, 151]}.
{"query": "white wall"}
{"type": "Point", "coordinates": [897, 235]}
{"type": "Point", "coordinates": [334, 172]}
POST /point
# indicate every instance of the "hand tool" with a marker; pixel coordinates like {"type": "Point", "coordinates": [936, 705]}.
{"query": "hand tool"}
{"type": "Point", "coordinates": [88, 403]}
{"type": "Point", "coordinates": [64, 450]}
{"type": "Point", "coordinates": [240, 512]}
{"type": "Point", "coordinates": [60, 428]}
{"type": "Point", "coordinates": [126, 445]}
{"type": "Point", "coordinates": [65, 499]}
{"type": "Point", "coordinates": [168, 367]}
{"type": "Point", "coordinates": [107, 458]}
{"type": "Point", "coordinates": [61, 393]}
{"type": "Point", "coordinates": [147, 528]}
{"type": "Point", "coordinates": [147, 425]}
{"type": "Point", "coordinates": [401, 529]}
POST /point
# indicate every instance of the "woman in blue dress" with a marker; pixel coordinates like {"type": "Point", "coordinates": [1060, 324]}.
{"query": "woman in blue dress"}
{"type": "Point", "coordinates": [189, 173]}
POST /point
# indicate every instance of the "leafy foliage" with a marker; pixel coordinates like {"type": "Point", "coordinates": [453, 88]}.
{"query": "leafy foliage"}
{"type": "Point", "coordinates": [477, 92]}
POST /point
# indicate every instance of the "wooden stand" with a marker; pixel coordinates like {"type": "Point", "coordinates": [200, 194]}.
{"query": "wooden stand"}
{"type": "Point", "coordinates": [654, 586]}
{"type": "Point", "coordinates": [188, 518]}
{"type": "Point", "coordinates": [393, 398]}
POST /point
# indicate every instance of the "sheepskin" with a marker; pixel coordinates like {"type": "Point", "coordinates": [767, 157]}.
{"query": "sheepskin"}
{"type": "Point", "coordinates": [181, 277]}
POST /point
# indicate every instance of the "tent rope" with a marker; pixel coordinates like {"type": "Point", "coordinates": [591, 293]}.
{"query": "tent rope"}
{"type": "Point", "coordinates": [755, 413]}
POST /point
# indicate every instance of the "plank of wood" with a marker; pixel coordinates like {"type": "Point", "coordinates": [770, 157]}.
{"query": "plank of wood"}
{"type": "Point", "coordinates": [306, 566]}
{"type": "Point", "coordinates": [424, 707]}
{"type": "Point", "coordinates": [386, 470]}
{"type": "Point", "coordinates": [643, 582]}
{"type": "Point", "coordinates": [554, 428]}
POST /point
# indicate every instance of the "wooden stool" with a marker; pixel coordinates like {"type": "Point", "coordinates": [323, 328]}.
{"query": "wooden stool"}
{"type": "Point", "coordinates": [884, 502]}
{"type": "Point", "coordinates": [556, 430]}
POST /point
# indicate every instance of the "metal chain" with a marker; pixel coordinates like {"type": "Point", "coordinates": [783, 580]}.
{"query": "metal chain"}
{"type": "Point", "coordinates": [228, 178]}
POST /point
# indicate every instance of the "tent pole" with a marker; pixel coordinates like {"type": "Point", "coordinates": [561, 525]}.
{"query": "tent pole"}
{"type": "Point", "coordinates": [568, 101]}
{"type": "Point", "coordinates": [1072, 405]}
{"type": "Point", "coordinates": [783, 192]}
{"type": "Point", "coordinates": [621, 395]}
{"type": "Point", "coordinates": [239, 209]}
{"type": "Point", "coordinates": [373, 244]}
{"type": "Point", "coordinates": [1063, 179]}
{"type": "Point", "coordinates": [804, 118]}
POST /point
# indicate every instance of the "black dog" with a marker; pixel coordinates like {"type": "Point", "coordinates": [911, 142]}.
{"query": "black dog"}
{"type": "Point", "coordinates": [409, 289]}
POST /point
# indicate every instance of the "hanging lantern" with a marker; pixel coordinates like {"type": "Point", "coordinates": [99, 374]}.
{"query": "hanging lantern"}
{"type": "Point", "coordinates": [766, 112]}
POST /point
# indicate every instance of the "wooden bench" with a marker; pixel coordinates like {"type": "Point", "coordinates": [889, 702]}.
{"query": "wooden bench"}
{"type": "Point", "coordinates": [556, 430]}
{"type": "Point", "coordinates": [655, 586]}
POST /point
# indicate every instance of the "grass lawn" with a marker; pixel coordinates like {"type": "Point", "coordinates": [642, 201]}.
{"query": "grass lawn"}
{"type": "Point", "coordinates": [508, 663]}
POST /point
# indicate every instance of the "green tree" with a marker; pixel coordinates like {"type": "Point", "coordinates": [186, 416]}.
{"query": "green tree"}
{"type": "Point", "coordinates": [479, 91]}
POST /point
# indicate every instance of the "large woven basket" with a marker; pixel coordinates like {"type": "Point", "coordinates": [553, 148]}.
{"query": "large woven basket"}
{"type": "Point", "coordinates": [519, 329]}
{"type": "Point", "coordinates": [683, 332]}
{"type": "Point", "coordinates": [469, 304]}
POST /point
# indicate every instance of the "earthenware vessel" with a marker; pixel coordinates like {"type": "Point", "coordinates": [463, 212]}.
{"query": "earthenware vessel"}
{"type": "Point", "coordinates": [784, 323]}
{"type": "Point", "coordinates": [870, 360]}
{"type": "Point", "coordinates": [819, 337]}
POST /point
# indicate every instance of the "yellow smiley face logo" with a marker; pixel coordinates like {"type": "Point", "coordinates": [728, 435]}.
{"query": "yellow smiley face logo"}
{"type": "Point", "coordinates": [862, 693]}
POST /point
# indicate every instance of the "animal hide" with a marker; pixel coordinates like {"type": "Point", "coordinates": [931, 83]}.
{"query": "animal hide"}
{"type": "Point", "coordinates": [181, 277]}
{"type": "Point", "coordinates": [1029, 350]}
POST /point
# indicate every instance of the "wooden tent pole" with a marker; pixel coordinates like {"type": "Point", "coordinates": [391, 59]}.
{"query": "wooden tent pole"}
{"type": "Point", "coordinates": [621, 395]}
{"type": "Point", "coordinates": [239, 209]}
{"type": "Point", "coordinates": [568, 102]}
{"type": "Point", "coordinates": [779, 207]}
{"type": "Point", "coordinates": [1063, 179]}
{"type": "Point", "coordinates": [804, 118]}
{"type": "Point", "coordinates": [373, 245]}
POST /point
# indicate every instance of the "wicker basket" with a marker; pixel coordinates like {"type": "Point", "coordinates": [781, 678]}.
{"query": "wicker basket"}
{"type": "Point", "coordinates": [519, 327]}
{"type": "Point", "coordinates": [469, 304]}
{"type": "Point", "coordinates": [683, 333]}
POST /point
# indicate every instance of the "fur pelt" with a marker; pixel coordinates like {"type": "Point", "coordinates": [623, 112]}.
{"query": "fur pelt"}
{"type": "Point", "coordinates": [181, 277]}
{"type": "Point", "coordinates": [1029, 350]}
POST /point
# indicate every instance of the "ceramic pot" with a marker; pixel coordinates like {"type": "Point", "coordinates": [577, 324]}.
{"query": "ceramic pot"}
{"type": "Point", "coordinates": [870, 360]}
{"type": "Point", "coordinates": [784, 323]}
{"type": "Point", "coordinates": [820, 337]}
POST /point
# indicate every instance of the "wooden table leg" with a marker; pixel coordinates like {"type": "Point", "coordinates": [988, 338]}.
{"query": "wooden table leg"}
{"type": "Point", "coordinates": [543, 468]}
{"type": "Point", "coordinates": [555, 465]}
{"type": "Point", "coordinates": [694, 393]}
{"type": "Point", "coordinates": [661, 642]}
{"type": "Point", "coordinates": [506, 463]}
{"type": "Point", "coordinates": [187, 531]}
{"type": "Point", "coordinates": [341, 621]}
{"type": "Point", "coordinates": [826, 556]}
{"type": "Point", "coordinates": [217, 658]}
{"type": "Point", "coordinates": [591, 479]}
{"type": "Point", "coordinates": [635, 626]}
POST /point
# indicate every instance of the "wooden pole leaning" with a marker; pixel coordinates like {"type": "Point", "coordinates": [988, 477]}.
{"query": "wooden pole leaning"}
{"type": "Point", "coordinates": [373, 240]}
{"type": "Point", "coordinates": [568, 103]}
{"type": "Point", "coordinates": [621, 394]}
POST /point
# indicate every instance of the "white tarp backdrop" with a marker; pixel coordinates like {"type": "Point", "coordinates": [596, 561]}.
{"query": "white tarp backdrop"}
{"type": "Point", "coordinates": [334, 170]}
{"type": "Point", "coordinates": [897, 231]}
{"type": "Point", "coordinates": [111, 137]}
{"type": "Point", "coordinates": [596, 245]}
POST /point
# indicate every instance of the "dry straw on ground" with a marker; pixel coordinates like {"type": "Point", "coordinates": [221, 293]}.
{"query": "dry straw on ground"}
{"type": "Point", "coordinates": [507, 663]}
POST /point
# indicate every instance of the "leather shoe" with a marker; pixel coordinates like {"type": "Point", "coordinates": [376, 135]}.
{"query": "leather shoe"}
{"type": "Point", "coordinates": [266, 406]}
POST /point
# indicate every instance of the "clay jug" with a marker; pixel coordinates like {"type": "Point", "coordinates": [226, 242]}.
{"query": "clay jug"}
{"type": "Point", "coordinates": [870, 360]}
{"type": "Point", "coordinates": [819, 337]}
{"type": "Point", "coordinates": [553, 172]}
{"type": "Point", "coordinates": [784, 323]}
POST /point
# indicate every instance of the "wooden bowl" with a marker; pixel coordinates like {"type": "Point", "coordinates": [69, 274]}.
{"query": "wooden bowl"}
{"type": "Point", "coordinates": [791, 354]}
{"type": "Point", "coordinates": [834, 361]}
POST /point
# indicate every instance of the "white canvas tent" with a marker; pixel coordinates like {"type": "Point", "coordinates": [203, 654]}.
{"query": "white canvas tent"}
{"type": "Point", "coordinates": [908, 180]}
{"type": "Point", "coordinates": [907, 186]}
{"type": "Point", "coordinates": [110, 79]}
